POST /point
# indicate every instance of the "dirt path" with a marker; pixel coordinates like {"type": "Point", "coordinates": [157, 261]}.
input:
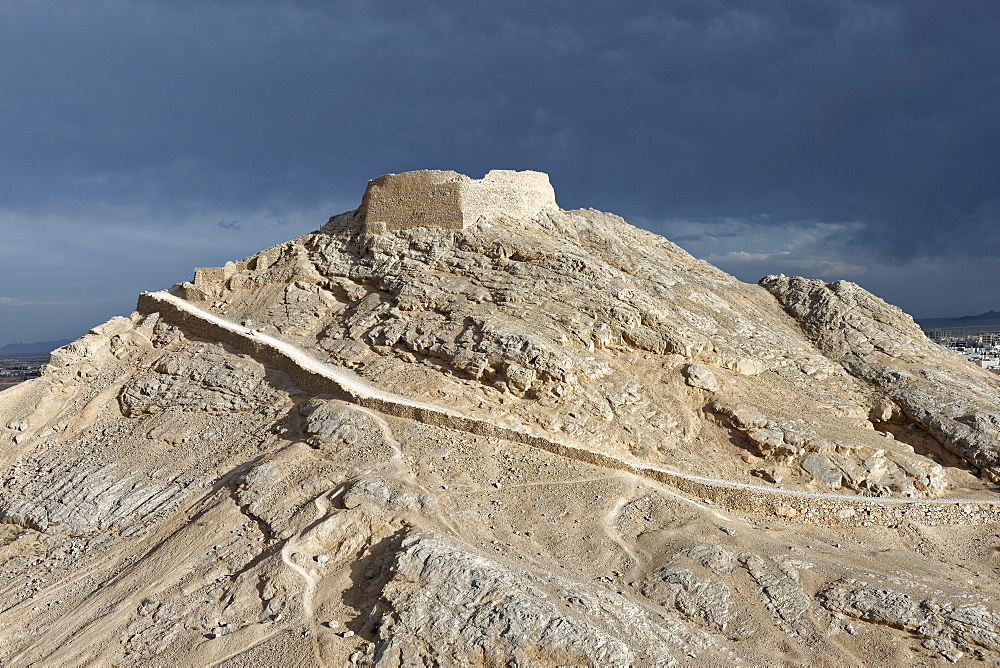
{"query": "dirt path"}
{"type": "Point", "coordinates": [309, 588]}
{"type": "Point", "coordinates": [287, 551]}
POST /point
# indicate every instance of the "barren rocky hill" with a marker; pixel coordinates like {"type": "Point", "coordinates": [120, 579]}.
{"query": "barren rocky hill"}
{"type": "Point", "coordinates": [460, 426]}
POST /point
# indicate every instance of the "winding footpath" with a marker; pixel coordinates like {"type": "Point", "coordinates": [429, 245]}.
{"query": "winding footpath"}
{"type": "Point", "coordinates": [317, 377]}
{"type": "Point", "coordinates": [309, 588]}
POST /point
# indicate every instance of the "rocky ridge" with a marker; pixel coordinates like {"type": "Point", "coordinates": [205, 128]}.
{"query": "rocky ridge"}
{"type": "Point", "coordinates": [954, 403]}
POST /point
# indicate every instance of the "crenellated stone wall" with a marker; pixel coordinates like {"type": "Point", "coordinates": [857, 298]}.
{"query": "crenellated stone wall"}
{"type": "Point", "coordinates": [433, 198]}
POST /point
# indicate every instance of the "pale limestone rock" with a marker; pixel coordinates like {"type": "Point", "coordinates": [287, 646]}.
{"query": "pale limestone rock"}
{"type": "Point", "coordinates": [951, 629]}
{"type": "Point", "coordinates": [951, 399]}
{"type": "Point", "coordinates": [200, 378]}
{"type": "Point", "coordinates": [705, 601]}
{"type": "Point", "coordinates": [783, 596]}
{"type": "Point", "coordinates": [701, 377]}
{"type": "Point", "coordinates": [366, 490]}
{"type": "Point", "coordinates": [835, 465]}
{"type": "Point", "coordinates": [712, 557]}
{"type": "Point", "coordinates": [447, 603]}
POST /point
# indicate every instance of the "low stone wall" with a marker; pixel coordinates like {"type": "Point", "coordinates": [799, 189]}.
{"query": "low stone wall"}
{"type": "Point", "coordinates": [827, 509]}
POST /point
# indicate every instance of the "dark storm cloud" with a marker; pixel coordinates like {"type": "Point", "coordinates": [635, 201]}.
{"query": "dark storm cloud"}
{"type": "Point", "coordinates": [833, 136]}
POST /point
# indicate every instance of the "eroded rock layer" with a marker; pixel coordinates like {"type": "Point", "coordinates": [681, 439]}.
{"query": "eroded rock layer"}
{"type": "Point", "coordinates": [952, 401]}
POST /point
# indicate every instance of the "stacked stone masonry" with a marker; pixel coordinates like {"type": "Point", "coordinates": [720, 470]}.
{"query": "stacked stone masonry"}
{"type": "Point", "coordinates": [432, 198]}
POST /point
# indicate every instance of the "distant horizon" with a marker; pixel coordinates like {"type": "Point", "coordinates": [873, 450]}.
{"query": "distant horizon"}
{"type": "Point", "coordinates": [6, 348]}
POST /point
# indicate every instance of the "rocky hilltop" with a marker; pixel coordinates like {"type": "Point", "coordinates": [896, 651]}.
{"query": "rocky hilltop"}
{"type": "Point", "coordinates": [460, 426]}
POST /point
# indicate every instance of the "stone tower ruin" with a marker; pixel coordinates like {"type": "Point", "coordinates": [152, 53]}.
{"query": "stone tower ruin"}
{"type": "Point", "coordinates": [433, 198]}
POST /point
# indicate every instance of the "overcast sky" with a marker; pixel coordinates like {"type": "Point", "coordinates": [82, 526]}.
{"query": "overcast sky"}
{"type": "Point", "coordinates": [856, 140]}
